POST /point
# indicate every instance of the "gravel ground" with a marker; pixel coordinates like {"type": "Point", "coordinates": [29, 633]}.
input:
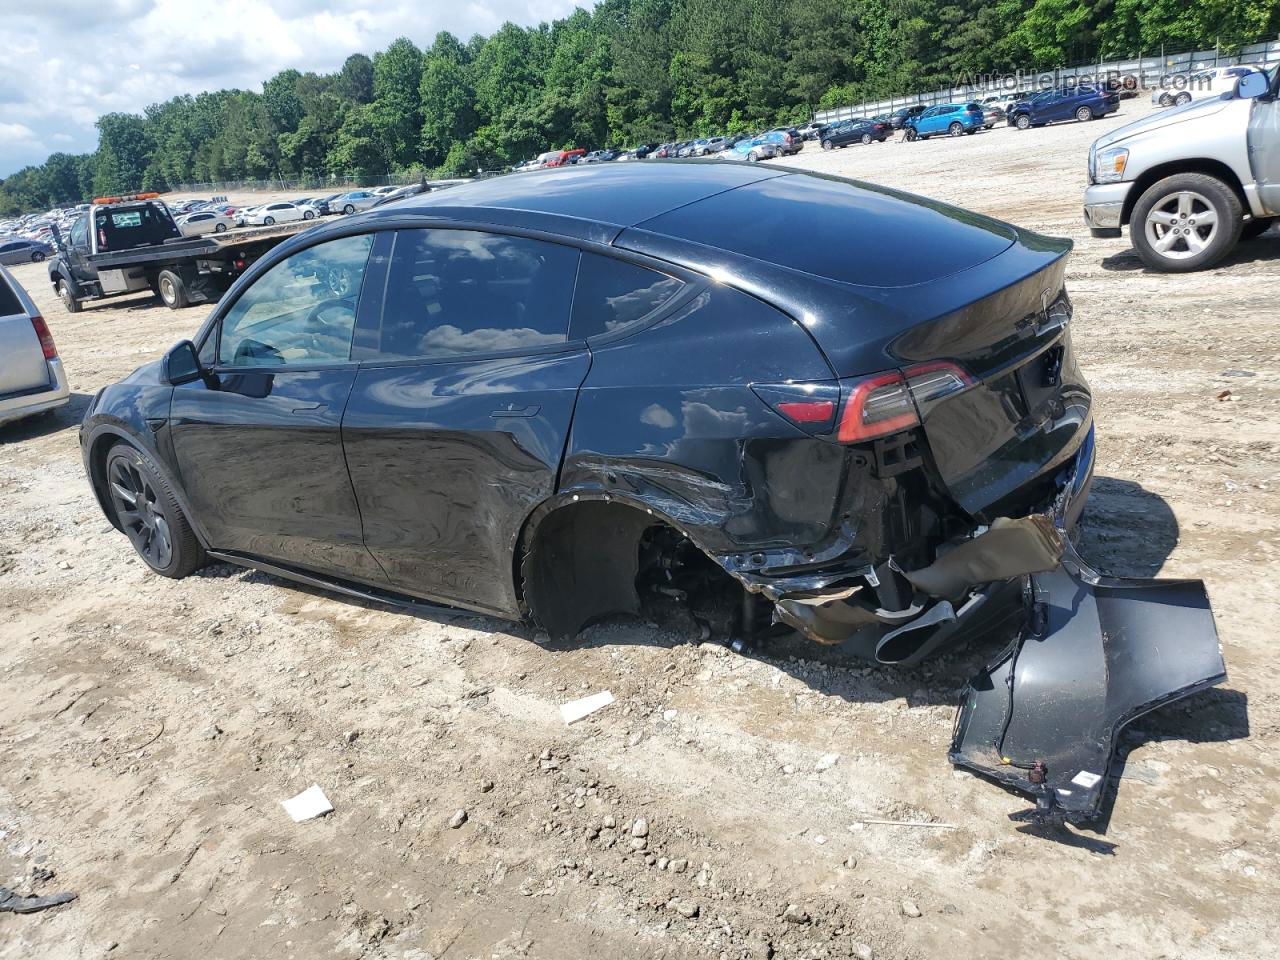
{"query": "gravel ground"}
{"type": "Point", "coordinates": [148, 728]}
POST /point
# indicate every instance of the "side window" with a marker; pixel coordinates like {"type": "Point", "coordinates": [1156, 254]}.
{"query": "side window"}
{"type": "Point", "coordinates": [451, 293]}
{"type": "Point", "coordinates": [612, 294]}
{"type": "Point", "coordinates": [301, 311]}
{"type": "Point", "coordinates": [80, 232]}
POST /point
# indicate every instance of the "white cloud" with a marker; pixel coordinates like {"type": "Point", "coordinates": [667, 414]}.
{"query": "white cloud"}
{"type": "Point", "coordinates": [69, 61]}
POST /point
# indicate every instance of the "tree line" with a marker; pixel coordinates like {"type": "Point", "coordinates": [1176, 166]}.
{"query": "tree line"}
{"type": "Point", "coordinates": [627, 72]}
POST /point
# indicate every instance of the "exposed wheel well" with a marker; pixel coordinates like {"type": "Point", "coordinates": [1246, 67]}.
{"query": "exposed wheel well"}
{"type": "Point", "coordinates": [98, 472]}
{"type": "Point", "coordinates": [1212, 168]}
{"type": "Point", "coordinates": [581, 561]}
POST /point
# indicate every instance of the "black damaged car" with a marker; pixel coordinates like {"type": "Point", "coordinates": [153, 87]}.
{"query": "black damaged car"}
{"type": "Point", "coordinates": [609, 390]}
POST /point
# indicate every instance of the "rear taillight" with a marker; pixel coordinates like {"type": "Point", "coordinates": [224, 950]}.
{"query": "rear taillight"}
{"type": "Point", "coordinates": [876, 406]}
{"type": "Point", "coordinates": [46, 338]}
{"type": "Point", "coordinates": [886, 403]}
{"type": "Point", "coordinates": [810, 406]}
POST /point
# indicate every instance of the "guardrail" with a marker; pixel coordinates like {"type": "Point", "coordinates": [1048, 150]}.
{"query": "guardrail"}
{"type": "Point", "coordinates": [1148, 70]}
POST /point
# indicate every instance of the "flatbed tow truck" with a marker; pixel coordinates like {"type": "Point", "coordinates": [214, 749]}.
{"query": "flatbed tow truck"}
{"type": "Point", "coordinates": [131, 243]}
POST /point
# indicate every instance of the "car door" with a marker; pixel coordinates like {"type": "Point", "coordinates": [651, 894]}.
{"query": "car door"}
{"type": "Point", "coordinates": [461, 408]}
{"type": "Point", "coordinates": [1264, 148]}
{"type": "Point", "coordinates": [9, 253]}
{"type": "Point", "coordinates": [258, 440]}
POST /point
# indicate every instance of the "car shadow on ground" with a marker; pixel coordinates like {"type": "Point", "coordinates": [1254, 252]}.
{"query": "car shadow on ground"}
{"type": "Point", "coordinates": [41, 425]}
{"type": "Point", "coordinates": [1257, 250]}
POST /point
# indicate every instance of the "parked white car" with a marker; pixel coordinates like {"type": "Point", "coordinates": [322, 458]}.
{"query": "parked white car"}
{"type": "Point", "coordinates": [204, 221]}
{"type": "Point", "coordinates": [353, 202]}
{"type": "Point", "coordinates": [1179, 89]}
{"type": "Point", "coordinates": [31, 376]}
{"type": "Point", "coordinates": [281, 212]}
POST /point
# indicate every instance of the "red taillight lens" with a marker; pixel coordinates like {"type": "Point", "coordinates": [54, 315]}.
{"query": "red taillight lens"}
{"type": "Point", "coordinates": [46, 338]}
{"type": "Point", "coordinates": [886, 403]}
{"type": "Point", "coordinates": [808, 411]}
{"type": "Point", "coordinates": [811, 406]}
{"type": "Point", "coordinates": [875, 407]}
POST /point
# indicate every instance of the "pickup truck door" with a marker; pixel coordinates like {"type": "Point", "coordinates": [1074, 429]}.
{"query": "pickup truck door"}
{"type": "Point", "coordinates": [1264, 152]}
{"type": "Point", "coordinates": [78, 251]}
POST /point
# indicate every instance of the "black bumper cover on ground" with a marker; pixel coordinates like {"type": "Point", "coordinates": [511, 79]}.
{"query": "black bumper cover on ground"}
{"type": "Point", "coordinates": [1095, 653]}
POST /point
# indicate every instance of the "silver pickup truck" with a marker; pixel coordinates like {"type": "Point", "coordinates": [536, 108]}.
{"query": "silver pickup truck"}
{"type": "Point", "coordinates": [1191, 181]}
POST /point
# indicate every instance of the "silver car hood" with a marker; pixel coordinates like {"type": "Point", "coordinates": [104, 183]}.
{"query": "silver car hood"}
{"type": "Point", "coordinates": [1195, 110]}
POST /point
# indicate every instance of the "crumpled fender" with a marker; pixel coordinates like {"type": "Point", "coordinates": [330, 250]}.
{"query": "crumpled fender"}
{"type": "Point", "coordinates": [1095, 653]}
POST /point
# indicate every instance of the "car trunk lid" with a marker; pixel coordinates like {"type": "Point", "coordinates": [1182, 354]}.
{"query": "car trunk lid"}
{"type": "Point", "coordinates": [22, 364]}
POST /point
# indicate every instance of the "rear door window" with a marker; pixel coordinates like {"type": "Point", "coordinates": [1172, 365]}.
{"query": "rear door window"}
{"type": "Point", "coordinates": [453, 293]}
{"type": "Point", "coordinates": [613, 294]}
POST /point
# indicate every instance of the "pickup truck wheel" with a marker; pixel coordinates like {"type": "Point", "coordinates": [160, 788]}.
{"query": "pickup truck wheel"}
{"type": "Point", "coordinates": [1023, 122]}
{"type": "Point", "coordinates": [269, 221]}
{"type": "Point", "coordinates": [68, 298]}
{"type": "Point", "coordinates": [1186, 222]}
{"type": "Point", "coordinates": [1256, 227]}
{"type": "Point", "coordinates": [1084, 114]}
{"type": "Point", "coordinates": [172, 290]}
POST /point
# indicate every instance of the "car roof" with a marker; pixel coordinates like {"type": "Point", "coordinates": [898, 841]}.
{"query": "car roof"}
{"type": "Point", "coordinates": [593, 202]}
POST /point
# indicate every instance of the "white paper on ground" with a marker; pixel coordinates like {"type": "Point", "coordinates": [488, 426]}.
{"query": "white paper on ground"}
{"type": "Point", "coordinates": [311, 802]}
{"type": "Point", "coordinates": [578, 709]}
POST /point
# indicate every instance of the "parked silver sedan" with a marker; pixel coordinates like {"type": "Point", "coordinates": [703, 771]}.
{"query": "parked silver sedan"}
{"type": "Point", "coordinates": [31, 376]}
{"type": "Point", "coordinates": [21, 250]}
{"type": "Point", "coordinates": [204, 221]}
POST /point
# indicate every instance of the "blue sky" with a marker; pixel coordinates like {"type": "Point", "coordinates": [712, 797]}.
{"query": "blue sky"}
{"type": "Point", "coordinates": [66, 62]}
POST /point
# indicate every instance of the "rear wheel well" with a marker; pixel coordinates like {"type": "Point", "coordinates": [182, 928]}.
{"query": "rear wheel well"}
{"type": "Point", "coordinates": [1212, 168]}
{"type": "Point", "coordinates": [585, 560]}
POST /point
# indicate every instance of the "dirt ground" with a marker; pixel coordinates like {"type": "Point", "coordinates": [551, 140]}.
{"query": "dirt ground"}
{"type": "Point", "coordinates": [149, 728]}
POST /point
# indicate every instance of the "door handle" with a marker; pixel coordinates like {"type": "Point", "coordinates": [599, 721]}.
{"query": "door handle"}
{"type": "Point", "coordinates": [513, 411]}
{"type": "Point", "coordinates": [308, 407]}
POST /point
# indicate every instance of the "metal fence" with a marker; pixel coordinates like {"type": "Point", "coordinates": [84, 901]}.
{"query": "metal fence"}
{"type": "Point", "coordinates": [1147, 69]}
{"type": "Point", "coordinates": [326, 184]}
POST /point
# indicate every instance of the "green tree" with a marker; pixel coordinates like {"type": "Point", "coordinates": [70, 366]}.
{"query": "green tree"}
{"type": "Point", "coordinates": [396, 112]}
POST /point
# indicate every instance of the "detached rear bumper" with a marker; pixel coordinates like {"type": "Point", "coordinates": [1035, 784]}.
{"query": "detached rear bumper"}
{"type": "Point", "coordinates": [1094, 653]}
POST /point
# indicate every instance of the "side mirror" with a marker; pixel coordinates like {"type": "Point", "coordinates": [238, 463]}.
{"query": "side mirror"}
{"type": "Point", "coordinates": [1252, 86]}
{"type": "Point", "coordinates": [182, 364]}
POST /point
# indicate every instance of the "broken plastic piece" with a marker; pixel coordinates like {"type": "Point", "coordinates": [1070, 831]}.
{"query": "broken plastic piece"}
{"type": "Point", "coordinates": [11, 902]}
{"type": "Point", "coordinates": [577, 709]}
{"type": "Point", "coordinates": [310, 803]}
{"type": "Point", "coordinates": [1095, 653]}
{"type": "Point", "coordinates": [1010, 548]}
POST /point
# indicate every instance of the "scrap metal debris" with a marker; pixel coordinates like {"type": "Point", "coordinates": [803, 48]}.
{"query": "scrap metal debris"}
{"type": "Point", "coordinates": [11, 902]}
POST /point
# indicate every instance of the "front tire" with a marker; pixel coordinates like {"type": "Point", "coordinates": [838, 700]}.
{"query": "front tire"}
{"type": "Point", "coordinates": [1023, 122]}
{"type": "Point", "coordinates": [220, 228]}
{"type": "Point", "coordinates": [828, 145]}
{"type": "Point", "coordinates": [912, 136]}
{"type": "Point", "coordinates": [1084, 114]}
{"type": "Point", "coordinates": [1181, 99]}
{"type": "Point", "coordinates": [37, 256]}
{"type": "Point", "coordinates": [69, 298]}
{"type": "Point", "coordinates": [866, 139]}
{"type": "Point", "coordinates": [1186, 222]}
{"type": "Point", "coordinates": [172, 290]}
{"type": "Point", "coordinates": [1166, 100]}
{"type": "Point", "coordinates": [268, 221]}
{"type": "Point", "coordinates": [308, 215]}
{"type": "Point", "coordinates": [349, 209]}
{"type": "Point", "coordinates": [148, 513]}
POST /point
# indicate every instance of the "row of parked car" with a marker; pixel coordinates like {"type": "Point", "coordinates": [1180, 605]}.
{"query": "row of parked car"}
{"type": "Point", "coordinates": [29, 238]}
{"type": "Point", "coordinates": [779, 142]}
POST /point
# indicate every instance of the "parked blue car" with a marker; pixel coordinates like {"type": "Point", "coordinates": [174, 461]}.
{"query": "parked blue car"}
{"type": "Point", "coordinates": [1071, 103]}
{"type": "Point", "coordinates": [764, 147]}
{"type": "Point", "coordinates": [952, 119]}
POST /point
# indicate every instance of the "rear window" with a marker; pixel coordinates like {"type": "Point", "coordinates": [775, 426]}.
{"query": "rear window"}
{"type": "Point", "coordinates": [122, 229]}
{"type": "Point", "coordinates": [613, 294]}
{"type": "Point", "coordinates": [844, 231]}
